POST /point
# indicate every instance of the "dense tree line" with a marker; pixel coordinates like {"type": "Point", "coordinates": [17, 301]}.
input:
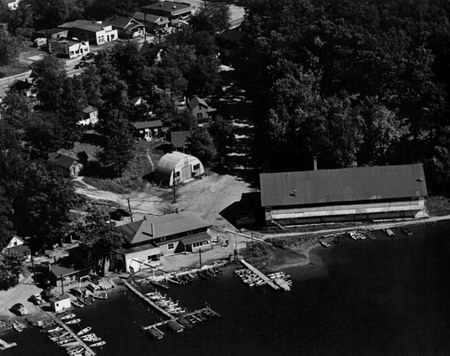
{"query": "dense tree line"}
{"type": "Point", "coordinates": [350, 81]}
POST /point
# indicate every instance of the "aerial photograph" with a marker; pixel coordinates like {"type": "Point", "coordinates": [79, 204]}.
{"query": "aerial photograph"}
{"type": "Point", "coordinates": [225, 177]}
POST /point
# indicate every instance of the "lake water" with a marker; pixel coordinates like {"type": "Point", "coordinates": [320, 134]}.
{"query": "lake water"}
{"type": "Point", "coordinates": [385, 297]}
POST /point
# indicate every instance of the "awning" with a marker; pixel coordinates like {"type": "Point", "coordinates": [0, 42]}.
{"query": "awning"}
{"type": "Point", "coordinates": [196, 238]}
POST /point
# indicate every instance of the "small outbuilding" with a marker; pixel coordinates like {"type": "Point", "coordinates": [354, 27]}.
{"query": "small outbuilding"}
{"type": "Point", "coordinates": [60, 303]}
{"type": "Point", "coordinates": [177, 167]}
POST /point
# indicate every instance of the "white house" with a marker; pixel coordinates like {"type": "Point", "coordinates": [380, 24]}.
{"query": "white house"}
{"type": "Point", "coordinates": [177, 167]}
{"type": "Point", "coordinates": [90, 116]}
{"type": "Point", "coordinates": [94, 32]}
{"type": "Point", "coordinates": [70, 48]}
{"type": "Point", "coordinates": [17, 246]}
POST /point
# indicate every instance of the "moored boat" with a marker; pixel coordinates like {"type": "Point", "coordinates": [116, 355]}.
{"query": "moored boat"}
{"type": "Point", "coordinates": [73, 321]}
{"type": "Point", "coordinates": [84, 331]}
{"type": "Point", "coordinates": [324, 244]}
{"type": "Point", "coordinates": [156, 333]}
{"type": "Point", "coordinates": [68, 316]}
{"type": "Point", "coordinates": [98, 344]}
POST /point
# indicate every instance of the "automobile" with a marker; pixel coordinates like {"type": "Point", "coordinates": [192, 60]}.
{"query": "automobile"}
{"type": "Point", "coordinates": [406, 231]}
{"type": "Point", "coordinates": [36, 299]}
{"type": "Point", "coordinates": [88, 56]}
{"type": "Point", "coordinates": [19, 309]}
{"type": "Point", "coordinates": [118, 214]}
{"type": "Point", "coordinates": [81, 65]}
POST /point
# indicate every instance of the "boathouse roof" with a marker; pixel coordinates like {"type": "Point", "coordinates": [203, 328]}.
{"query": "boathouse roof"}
{"type": "Point", "coordinates": [342, 185]}
{"type": "Point", "coordinates": [153, 227]}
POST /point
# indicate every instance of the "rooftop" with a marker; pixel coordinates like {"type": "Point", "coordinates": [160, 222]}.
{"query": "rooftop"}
{"type": "Point", "coordinates": [150, 18]}
{"type": "Point", "coordinates": [61, 160]}
{"type": "Point", "coordinates": [147, 124]}
{"type": "Point", "coordinates": [171, 8]}
{"type": "Point", "coordinates": [196, 101]}
{"type": "Point", "coordinates": [342, 185]}
{"type": "Point", "coordinates": [153, 227]}
{"type": "Point", "coordinates": [121, 21]}
{"type": "Point", "coordinates": [86, 25]}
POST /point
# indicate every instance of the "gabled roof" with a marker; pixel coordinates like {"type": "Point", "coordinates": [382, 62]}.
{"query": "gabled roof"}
{"type": "Point", "coordinates": [150, 18]}
{"type": "Point", "coordinates": [59, 270]}
{"type": "Point", "coordinates": [147, 124]}
{"type": "Point", "coordinates": [88, 109]}
{"type": "Point", "coordinates": [342, 185]}
{"type": "Point", "coordinates": [61, 160]}
{"type": "Point", "coordinates": [196, 101]}
{"type": "Point", "coordinates": [122, 22]}
{"type": "Point", "coordinates": [170, 8]}
{"type": "Point", "coordinates": [179, 138]}
{"type": "Point", "coordinates": [153, 227]}
{"type": "Point", "coordinates": [86, 25]}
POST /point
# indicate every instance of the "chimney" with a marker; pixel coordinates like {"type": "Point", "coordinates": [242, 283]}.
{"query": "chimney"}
{"type": "Point", "coordinates": [315, 162]}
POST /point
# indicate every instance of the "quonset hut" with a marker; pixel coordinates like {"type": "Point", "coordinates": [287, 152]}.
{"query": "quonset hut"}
{"type": "Point", "coordinates": [177, 167]}
{"type": "Point", "coordinates": [365, 193]}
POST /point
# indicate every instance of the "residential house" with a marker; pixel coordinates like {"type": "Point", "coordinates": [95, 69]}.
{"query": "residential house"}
{"type": "Point", "coordinates": [152, 23]}
{"type": "Point", "coordinates": [69, 48]}
{"type": "Point", "coordinates": [12, 4]}
{"type": "Point", "coordinates": [179, 139]}
{"type": "Point", "coordinates": [147, 130]}
{"type": "Point", "coordinates": [90, 116]}
{"type": "Point", "coordinates": [70, 166]}
{"type": "Point", "coordinates": [94, 32]}
{"type": "Point", "coordinates": [200, 109]}
{"type": "Point", "coordinates": [18, 247]}
{"type": "Point", "coordinates": [148, 239]}
{"type": "Point", "coordinates": [127, 27]}
{"type": "Point", "coordinates": [60, 274]}
{"type": "Point", "coordinates": [177, 167]}
{"type": "Point", "coordinates": [60, 303]}
{"type": "Point", "coordinates": [23, 87]}
{"type": "Point", "coordinates": [348, 194]}
{"type": "Point", "coordinates": [174, 11]}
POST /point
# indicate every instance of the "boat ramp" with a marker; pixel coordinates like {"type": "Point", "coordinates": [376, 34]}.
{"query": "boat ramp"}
{"type": "Point", "coordinates": [87, 350]}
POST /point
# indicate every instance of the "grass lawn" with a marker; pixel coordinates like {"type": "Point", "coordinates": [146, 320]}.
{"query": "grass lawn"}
{"type": "Point", "coordinates": [13, 69]}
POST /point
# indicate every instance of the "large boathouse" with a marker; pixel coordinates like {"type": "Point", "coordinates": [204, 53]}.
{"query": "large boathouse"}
{"type": "Point", "coordinates": [349, 194]}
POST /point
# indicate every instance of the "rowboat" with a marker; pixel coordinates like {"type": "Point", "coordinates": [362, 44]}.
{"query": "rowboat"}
{"type": "Point", "coordinates": [324, 244]}
{"type": "Point", "coordinates": [76, 350]}
{"type": "Point", "coordinates": [84, 331]}
{"type": "Point", "coordinates": [68, 316]}
{"type": "Point", "coordinates": [55, 330]}
{"type": "Point", "coordinates": [73, 321]}
{"type": "Point", "coordinates": [98, 344]}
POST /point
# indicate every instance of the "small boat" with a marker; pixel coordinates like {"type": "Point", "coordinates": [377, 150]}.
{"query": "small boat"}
{"type": "Point", "coordinates": [174, 326]}
{"type": "Point", "coordinates": [156, 333]}
{"type": "Point", "coordinates": [324, 244]}
{"type": "Point", "coordinates": [73, 321]}
{"type": "Point", "coordinates": [184, 322]}
{"type": "Point", "coordinates": [352, 235]}
{"type": "Point", "coordinates": [371, 235]}
{"type": "Point", "coordinates": [68, 316]}
{"type": "Point", "coordinates": [406, 231]}
{"type": "Point", "coordinates": [98, 344]}
{"type": "Point", "coordinates": [100, 295]}
{"type": "Point", "coordinates": [84, 331]}
{"type": "Point", "coordinates": [55, 329]}
{"type": "Point", "coordinates": [75, 350]}
{"type": "Point", "coordinates": [65, 341]}
{"type": "Point", "coordinates": [389, 232]}
{"type": "Point", "coordinates": [71, 344]}
{"type": "Point", "coordinates": [77, 304]}
{"type": "Point", "coordinates": [92, 339]}
{"type": "Point", "coordinates": [360, 235]}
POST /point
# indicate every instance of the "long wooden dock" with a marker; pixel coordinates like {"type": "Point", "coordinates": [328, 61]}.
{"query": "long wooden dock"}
{"type": "Point", "coordinates": [5, 345]}
{"type": "Point", "coordinates": [148, 301]}
{"type": "Point", "coordinates": [88, 351]}
{"type": "Point", "coordinates": [261, 275]}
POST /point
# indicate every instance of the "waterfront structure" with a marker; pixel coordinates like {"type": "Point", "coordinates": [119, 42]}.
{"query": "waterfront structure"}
{"type": "Point", "coordinates": [60, 303]}
{"type": "Point", "coordinates": [69, 166]}
{"type": "Point", "coordinates": [177, 167]}
{"type": "Point", "coordinates": [17, 247]}
{"type": "Point", "coordinates": [68, 47]}
{"type": "Point", "coordinates": [59, 274]}
{"type": "Point", "coordinates": [348, 194]}
{"type": "Point", "coordinates": [154, 236]}
{"type": "Point", "coordinates": [147, 130]}
{"type": "Point", "coordinates": [94, 32]}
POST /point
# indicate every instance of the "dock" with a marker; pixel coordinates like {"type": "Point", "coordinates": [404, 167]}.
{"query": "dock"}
{"type": "Point", "coordinates": [88, 351]}
{"type": "Point", "coordinates": [148, 301]}
{"type": "Point", "coordinates": [261, 275]}
{"type": "Point", "coordinates": [5, 345]}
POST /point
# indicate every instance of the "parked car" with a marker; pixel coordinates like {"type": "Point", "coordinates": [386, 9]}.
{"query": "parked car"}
{"type": "Point", "coordinates": [36, 299]}
{"type": "Point", "coordinates": [19, 309]}
{"type": "Point", "coordinates": [88, 56]}
{"type": "Point", "coordinates": [81, 65]}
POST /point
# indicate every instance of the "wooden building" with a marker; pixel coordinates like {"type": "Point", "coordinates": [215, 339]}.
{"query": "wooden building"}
{"type": "Point", "coordinates": [349, 194]}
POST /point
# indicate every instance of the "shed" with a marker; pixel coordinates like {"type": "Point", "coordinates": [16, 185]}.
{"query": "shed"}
{"type": "Point", "coordinates": [177, 167]}
{"type": "Point", "coordinates": [60, 303]}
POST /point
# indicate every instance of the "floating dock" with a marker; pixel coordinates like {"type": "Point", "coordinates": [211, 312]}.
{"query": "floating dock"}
{"type": "Point", "coordinates": [148, 301]}
{"type": "Point", "coordinates": [5, 345]}
{"type": "Point", "coordinates": [261, 275]}
{"type": "Point", "coordinates": [87, 350]}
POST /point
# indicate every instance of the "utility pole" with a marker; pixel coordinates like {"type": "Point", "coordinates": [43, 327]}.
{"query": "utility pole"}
{"type": "Point", "coordinates": [129, 209]}
{"type": "Point", "coordinates": [174, 187]}
{"type": "Point", "coordinates": [62, 285]}
{"type": "Point", "coordinates": [200, 257]}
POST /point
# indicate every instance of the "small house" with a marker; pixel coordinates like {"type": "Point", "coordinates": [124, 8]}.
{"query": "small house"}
{"type": "Point", "coordinates": [19, 248]}
{"type": "Point", "coordinates": [94, 32]}
{"type": "Point", "coordinates": [70, 166]}
{"type": "Point", "coordinates": [152, 22]}
{"type": "Point", "coordinates": [200, 108]}
{"type": "Point", "coordinates": [147, 130]}
{"type": "Point", "coordinates": [127, 27]}
{"type": "Point", "coordinates": [51, 33]}
{"type": "Point", "coordinates": [90, 116]}
{"type": "Point", "coordinates": [65, 274]}
{"type": "Point", "coordinates": [179, 139]}
{"type": "Point", "coordinates": [60, 303]}
{"type": "Point", "coordinates": [177, 167]}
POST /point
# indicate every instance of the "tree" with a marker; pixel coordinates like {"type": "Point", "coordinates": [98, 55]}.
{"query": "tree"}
{"type": "Point", "coordinates": [48, 76]}
{"type": "Point", "coordinates": [221, 131]}
{"type": "Point", "coordinates": [100, 236]}
{"type": "Point", "coordinates": [213, 17]}
{"type": "Point", "coordinates": [118, 149]}
{"type": "Point", "coordinates": [11, 266]}
{"type": "Point", "coordinates": [201, 145]}
{"type": "Point", "coordinates": [9, 47]}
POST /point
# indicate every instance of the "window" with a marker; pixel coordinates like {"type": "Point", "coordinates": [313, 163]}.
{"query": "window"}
{"type": "Point", "coordinates": [196, 166]}
{"type": "Point", "coordinates": [170, 246]}
{"type": "Point", "coordinates": [177, 174]}
{"type": "Point", "coordinates": [199, 115]}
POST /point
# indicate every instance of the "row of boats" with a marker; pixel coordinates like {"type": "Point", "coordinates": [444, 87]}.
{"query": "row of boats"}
{"type": "Point", "coordinates": [67, 339]}
{"type": "Point", "coordinates": [82, 301]}
{"type": "Point", "coordinates": [209, 273]}
{"type": "Point", "coordinates": [166, 303]}
{"type": "Point", "coordinates": [250, 278]}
